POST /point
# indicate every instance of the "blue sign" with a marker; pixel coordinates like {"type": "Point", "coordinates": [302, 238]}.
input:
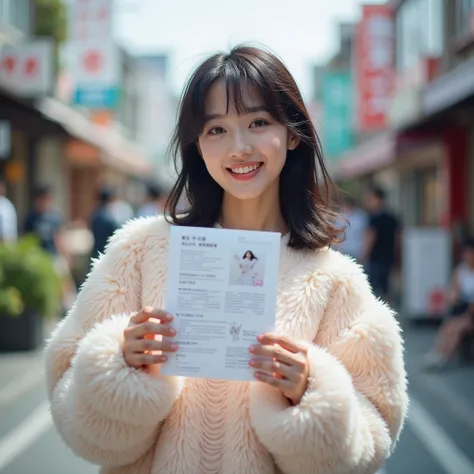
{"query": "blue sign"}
{"type": "Point", "coordinates": [337, 120]}
{"type": "Point", "coordinates": [97, 97]}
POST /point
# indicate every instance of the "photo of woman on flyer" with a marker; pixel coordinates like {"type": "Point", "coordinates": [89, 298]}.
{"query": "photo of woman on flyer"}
{"type": "Point", "coordinates": [246, 266]}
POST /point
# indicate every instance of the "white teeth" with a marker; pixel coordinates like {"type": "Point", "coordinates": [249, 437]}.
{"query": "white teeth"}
{"type": "Point", "coordinates": [245, 169]}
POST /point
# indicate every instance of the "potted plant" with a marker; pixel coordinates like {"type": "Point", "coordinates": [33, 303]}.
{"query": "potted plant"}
{"type": "Point", "coordinates": [29, 292]}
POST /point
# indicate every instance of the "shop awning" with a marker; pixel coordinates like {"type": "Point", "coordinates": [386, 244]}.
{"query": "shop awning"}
{"type": "Point", "coordinates": [23, 115]}
{"type": "Point", "coordinates": [117, 151]}
{"type": "Point", "coordinates": [375, 153]}
{"type": "Point", "coordinates": [449, 89]}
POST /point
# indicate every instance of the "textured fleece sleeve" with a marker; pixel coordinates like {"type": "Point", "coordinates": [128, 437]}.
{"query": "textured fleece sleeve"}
{"type": "Point", "coordinates": [106, 411]}
{"type": "Point", "coordinates": [355, 404]}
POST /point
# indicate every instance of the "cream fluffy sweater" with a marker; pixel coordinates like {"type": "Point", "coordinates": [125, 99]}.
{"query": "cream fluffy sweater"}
{"type": "Point", "coordinates": [138, 422]}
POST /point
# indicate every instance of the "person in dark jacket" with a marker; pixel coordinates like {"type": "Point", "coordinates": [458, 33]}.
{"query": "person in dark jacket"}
{"type": "Point", "coordinates": [381, 242]}
{"type": "Point", "coordinates": [103, 222]}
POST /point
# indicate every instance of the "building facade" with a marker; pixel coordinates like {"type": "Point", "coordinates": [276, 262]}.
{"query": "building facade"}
{"type": "Point", "coordinates": [421, 147]}
{"type": "Point", "coordinates": [48, 140]}
{"type": "Point", "coordinates": [425, 147]}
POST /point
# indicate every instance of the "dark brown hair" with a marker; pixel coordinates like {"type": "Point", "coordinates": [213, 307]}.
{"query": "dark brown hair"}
{"type": "Point", "coordinates": [305, 186]}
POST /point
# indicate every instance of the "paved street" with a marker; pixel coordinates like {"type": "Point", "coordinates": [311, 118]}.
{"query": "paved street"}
{"type": "Point", "coordinates": [438, 438]}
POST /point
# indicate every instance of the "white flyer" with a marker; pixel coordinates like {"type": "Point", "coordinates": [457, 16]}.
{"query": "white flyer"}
{"type": "Point", "coordinates": [221, 290]}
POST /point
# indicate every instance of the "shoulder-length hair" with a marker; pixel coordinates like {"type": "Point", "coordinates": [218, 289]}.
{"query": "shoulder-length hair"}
{"type": "Point", "coordinates": [305, 186]}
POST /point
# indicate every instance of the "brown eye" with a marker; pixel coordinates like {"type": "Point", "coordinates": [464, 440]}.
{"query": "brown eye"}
{"type": "Point", "coordinates": [258, 123]}
{"type": "Point", "coordinates": [216, 131]}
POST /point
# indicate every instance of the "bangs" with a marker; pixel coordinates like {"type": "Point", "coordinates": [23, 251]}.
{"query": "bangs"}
{"type": "Point", "coordinates": [246, 87]}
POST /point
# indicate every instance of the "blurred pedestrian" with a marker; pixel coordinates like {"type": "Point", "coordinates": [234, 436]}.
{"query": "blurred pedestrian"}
{"type": "Point", "coordinates": [46, 223]}
{"type": "Point", "coordinates": [8, 216]}
{"type": "Point", "coordinates": [460, 321]}
{"type": "Point", "coordinates": [357, 221]}
{"type": "Point", "coordinates": [381, 242]}
{"type": "Point", "coordinates": [103, 222]}
{"type": "Point", "coordinates": [329, 385]}
{"type": "Point", "coordinates": [154, 202]}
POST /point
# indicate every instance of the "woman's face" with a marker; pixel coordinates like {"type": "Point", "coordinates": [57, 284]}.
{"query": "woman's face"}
{"type": "Point", "coordinates": [243, 153]}
{"type": "Point", "coordinates": [248, 256]}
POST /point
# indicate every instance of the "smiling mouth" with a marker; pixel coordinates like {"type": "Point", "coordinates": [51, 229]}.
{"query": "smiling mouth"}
{"type": "Point", "coordinates": [244, 170]}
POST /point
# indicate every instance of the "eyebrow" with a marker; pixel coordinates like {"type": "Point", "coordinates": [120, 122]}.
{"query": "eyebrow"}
{"type": "Point", "coordinates": [247, 110]}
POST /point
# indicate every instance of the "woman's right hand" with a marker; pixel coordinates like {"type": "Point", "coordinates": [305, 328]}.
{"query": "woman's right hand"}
{"type": "Point", "coordinates": [141, 347]}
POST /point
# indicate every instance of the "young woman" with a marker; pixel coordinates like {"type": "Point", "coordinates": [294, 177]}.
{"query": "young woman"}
{"type": "Point", "coordinates": [246, 266]}
{"type": "Point", "coordinates": [329, 394]}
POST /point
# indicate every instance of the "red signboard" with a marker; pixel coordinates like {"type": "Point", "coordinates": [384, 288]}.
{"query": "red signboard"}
{"type": "Point", "coordinates": [374, 63]}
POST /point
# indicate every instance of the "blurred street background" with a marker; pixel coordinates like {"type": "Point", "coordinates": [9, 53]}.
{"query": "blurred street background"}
{"type": "Point", "coordinates": [88, 97]}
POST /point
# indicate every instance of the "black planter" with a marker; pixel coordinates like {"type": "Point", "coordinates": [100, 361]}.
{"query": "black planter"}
{"type": "Point", "coordinates": [22, 333]}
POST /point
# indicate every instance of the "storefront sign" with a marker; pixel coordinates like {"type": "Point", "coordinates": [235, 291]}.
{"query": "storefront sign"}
{"type": "Point", "coordinates": [90, 20]}
{"type": "Point", "coordinates": [374, 62]}
{"type": "Point", "coordinates": [337, 119]}
{"type": "Point", "coordinates": [426, 268]}
{"type": "Point", "coordinates": [97, 97]}
{"type": "Point", "coordinates": [96, 70]}
{"type": "Point", "coordinates": [95, 58]}
{"type": "Point", "coordinates": [27, 69]}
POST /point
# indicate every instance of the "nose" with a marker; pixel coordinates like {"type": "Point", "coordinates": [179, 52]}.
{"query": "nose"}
{"type": "Point", "coordinates": [241, 147]}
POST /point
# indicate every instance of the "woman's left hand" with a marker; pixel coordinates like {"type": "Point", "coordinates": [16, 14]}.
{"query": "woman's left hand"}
{"type": "Point", "coordinates": [282, 363]}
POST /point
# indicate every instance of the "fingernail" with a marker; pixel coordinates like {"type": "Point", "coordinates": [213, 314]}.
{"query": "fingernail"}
{"type": "Point", "coordinates": [252, 348]}
{"type": "Point", "coordinates": [260, 337]}
{"type": "Point", "coordinates": [252, 363]}
{"type": "Point", "coordinates": [174, 347]}
{"type": "Point", "coordinates": [172, 332]}
{"type": "Point", "coordinates": [163, 358]}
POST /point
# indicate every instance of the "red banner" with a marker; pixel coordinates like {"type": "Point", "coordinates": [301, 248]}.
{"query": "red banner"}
{"type": "Point", "coordinates": [374, 63]}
